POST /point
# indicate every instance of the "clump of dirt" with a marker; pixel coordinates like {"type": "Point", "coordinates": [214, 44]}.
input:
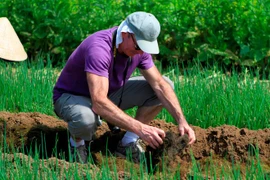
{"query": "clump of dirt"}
{"type": "Point", "coordinates": [173, 145]}
{"type": "Point", "coordinates": [219, 146]}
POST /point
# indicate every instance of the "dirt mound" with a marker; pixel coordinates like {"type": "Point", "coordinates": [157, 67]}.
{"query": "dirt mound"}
{"type": "Point", "coordinates": [221, 145]}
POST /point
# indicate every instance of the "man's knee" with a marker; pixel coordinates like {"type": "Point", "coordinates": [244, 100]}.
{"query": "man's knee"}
{"type": "Point", "coordinates": [84, 123]}
{"type": "Point", "coordinates": [85, 115]}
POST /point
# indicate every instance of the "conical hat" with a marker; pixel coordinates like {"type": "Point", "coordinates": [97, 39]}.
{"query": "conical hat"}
{"type": "Point", "coordinates": [11, 47]}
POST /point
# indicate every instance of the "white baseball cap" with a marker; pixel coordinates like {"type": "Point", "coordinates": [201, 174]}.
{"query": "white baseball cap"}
{"type": "Point", "coordinates": [146, 29]}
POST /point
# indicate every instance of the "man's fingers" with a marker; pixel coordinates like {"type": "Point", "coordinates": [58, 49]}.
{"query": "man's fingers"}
{"type": "Point", "coordinates": [156, 139]}
{"type": "Point", "coordinates": [161, 134]}
{"type": "Point", "coordinates": [153, 136]}
{"type": "Point", "coordinates": [151, 142]}
{"type": "Point", "coordinates": [189, 131]}
{"type": "Point", "coordinates": [192, 137]}
{"type": "Point", "coordinates": [191, 141]}
{"type": "Point", "coordinates": [181, 131]}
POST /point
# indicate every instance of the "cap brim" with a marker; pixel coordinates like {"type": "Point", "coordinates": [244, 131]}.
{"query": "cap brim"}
{"type": "Point", "coordinates": [150, 47]}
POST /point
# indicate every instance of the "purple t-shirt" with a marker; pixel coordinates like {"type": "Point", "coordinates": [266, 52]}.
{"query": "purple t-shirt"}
{"type": "Point", "coordinates": [95, 55]}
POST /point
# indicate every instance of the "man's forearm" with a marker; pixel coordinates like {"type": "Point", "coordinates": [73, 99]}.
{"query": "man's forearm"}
{"type": "Point", "coordinates": [114, 115]}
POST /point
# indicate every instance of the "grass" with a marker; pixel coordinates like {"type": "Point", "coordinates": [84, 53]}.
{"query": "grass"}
{"type": "Point", "coordinates": [232, 33]}
{"type": "Point", "coordinates": [15, 165]}
{"type": "Point", "coordinates": [239, 100]}
{"type": "Point", "coordinates": [208, 97]}
{"type": "Point", "coordinates": [25, 89]}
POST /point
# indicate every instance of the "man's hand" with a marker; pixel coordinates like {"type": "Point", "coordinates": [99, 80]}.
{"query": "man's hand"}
{"type": "Point", "coordinates": [151, 135]}
{"type": "Point", "coordinates": [184, 128]}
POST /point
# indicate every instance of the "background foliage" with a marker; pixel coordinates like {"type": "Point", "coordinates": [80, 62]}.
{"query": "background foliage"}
{"type": "Point", "coordinates": [226, 32]}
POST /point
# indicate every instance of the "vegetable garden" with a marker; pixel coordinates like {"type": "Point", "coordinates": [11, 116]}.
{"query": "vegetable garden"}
{"type": "Point", "coordinates": [216, 52]}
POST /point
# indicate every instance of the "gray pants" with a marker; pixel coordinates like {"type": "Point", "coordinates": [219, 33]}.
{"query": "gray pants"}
{"type": "Point", "coordinates": [83, 122]}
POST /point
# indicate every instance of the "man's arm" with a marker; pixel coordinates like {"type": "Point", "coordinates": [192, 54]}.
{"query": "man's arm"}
{"type": "Point", "coordinates": [98, 87]}
{"type": "Point", "coordinates": [169, 100]}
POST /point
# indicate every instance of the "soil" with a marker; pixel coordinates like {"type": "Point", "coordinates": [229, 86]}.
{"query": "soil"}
{"type": "Point", "coordinates": [216, 146]}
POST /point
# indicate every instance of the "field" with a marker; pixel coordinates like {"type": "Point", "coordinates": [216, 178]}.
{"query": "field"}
{"type": "Point", "coordinates": [222, 152]}
{"type": "Point", "coordinates": [217, 54]}
{"type": "Point", "coordinates": [37, 140]}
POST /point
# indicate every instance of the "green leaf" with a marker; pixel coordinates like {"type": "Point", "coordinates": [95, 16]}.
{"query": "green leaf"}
{"type": "Point", "coordinates": [217, 52]}
{"type": "Point", "coordinates": [244, 50]}
{"type": "Point", "coordinates": [57, 50]}
{"type": "Point", "coordinates": [231, 55]}
{"type": "Point", "coordinates": [248, 62]}
{"type": "Point", "coordinates": [192, 34]}
{"type": "Point", "coordinates": [258, 55]}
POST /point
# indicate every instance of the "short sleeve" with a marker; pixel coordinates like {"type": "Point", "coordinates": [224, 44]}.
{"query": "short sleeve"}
{"type": "Point", "coordinates": [98, 60]}
{"type": "Point", "coordinates": [146, 61]}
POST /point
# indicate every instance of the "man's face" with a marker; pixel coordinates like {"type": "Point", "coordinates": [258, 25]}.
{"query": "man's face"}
{"type": "Point", "coordinates": [129, 45]}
